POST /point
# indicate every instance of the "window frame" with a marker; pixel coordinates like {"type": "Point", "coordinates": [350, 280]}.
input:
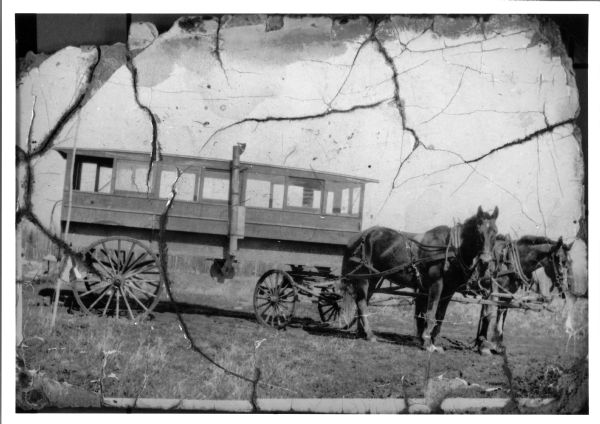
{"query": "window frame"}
{"type": "Point", "coordinates": [303, 209]}
{"type": "Point", "coordinates": [273, 179]}
{"type": "Point", "coordinates": [197, 171]}
{"type": "Point", "coordinates": [351, 186]}
{"type": "Point", "coordinates": [79, 160]}
{"type": "Point", "coordinates": [153, 180]}
{"type": "Point", "coordinates": [201, 198]}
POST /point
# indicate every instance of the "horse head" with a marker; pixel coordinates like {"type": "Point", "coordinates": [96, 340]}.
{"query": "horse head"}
{"type": "Point", "coordinates": [557, 267]}
{"type": "Point", "coordinates": [478, 237]}
{"type": "Point", "coordinates": [487, 230]}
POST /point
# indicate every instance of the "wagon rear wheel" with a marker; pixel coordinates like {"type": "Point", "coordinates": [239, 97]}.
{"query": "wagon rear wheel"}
{"type": "Point", "coordinates": [118, 277]}
{"type": "Point", "coordinates": [275, 299]}
{"type": "Point", "coordinates": [337, 310]}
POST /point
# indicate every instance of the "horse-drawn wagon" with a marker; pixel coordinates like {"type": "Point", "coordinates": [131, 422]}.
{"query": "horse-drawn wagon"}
{"type": "Point", "coordinates": [468, 259]}
{"type": "Point", "coordinates": [246, 214]}
{"type": "Point", "coordinates": [227, 215]}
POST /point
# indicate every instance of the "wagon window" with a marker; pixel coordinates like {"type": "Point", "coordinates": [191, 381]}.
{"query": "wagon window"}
{"type": "Point", "coordinates": [132, 176]}
{"type": "Point", "coordinates": [186, 185]}
{"type": "Point", "coordinates": [92, 174]}
{"type": "Point", "coordinates": [304, 193]}
{"type": "Point", "coordinates": [264, 191]}
{"type": "Point", "coordinates": [216, 185]}
{"type": "Point", "coordinates": [343, 199]}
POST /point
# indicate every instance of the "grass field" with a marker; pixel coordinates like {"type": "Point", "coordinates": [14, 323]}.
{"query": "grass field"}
{"type": "Point", "coordinates": [307, 359]}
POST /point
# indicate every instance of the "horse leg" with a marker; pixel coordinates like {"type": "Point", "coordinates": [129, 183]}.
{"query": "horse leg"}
{"type": "Point", "coordinates": [439, 317]}
{"type": "Point", "coordinates": [483, 346]}
{"type": "Point", "coordinates": [361, 294]}
{"type": "Point", "coordinates": [498, 336]}
{"type": "Point", "coordinates": [433, 298]}
{"type": "Point", "coordinates": [420, 310]}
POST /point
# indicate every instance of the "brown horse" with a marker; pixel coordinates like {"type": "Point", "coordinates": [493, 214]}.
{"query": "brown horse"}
{"type": "Point", "coordinates": [515, 264]}
{"type": "Point", "coordinates": [436, 263]}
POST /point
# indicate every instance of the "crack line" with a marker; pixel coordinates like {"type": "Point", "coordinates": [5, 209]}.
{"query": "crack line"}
{"type": "Point", "coordinates": [327, 112]}
{"type": "Point", "coordinates": [525, 139]}
{"type": "Point", "coordinates": [217, 50]}
{"type": "Point", "coordinates": [156, 153]}
{"type": "Point", "coordinates": [449, 101]}
{"type": "Point", "coordinates": [362, 45]}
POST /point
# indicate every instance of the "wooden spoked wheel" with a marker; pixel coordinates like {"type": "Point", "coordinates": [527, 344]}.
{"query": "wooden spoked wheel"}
{"type": "Point", "coordinates": [118, 277]}
{"type": "Point", "coordinates": [337, 310]}
{"type": "Point", "coordinates": [275, 299]}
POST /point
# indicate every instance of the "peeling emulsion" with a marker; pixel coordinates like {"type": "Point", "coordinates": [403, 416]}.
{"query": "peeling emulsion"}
{"type": "Point", "coordinates": [47, 142]}
{"type": "Point", "coordinates": [25, 159]}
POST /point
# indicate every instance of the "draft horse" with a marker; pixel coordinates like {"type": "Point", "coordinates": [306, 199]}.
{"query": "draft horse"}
{"type": "Point", "coordinates": [515, 263]}
{"type": "Point", "coordinates": [436, 264]}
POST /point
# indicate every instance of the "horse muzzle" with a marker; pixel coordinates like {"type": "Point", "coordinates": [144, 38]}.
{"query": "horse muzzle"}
{"type": "Point", "coordinates": [485, 258]}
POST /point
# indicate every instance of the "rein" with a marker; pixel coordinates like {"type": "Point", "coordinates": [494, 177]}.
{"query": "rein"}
{"type": "Point", "coordinates": [516, 259]}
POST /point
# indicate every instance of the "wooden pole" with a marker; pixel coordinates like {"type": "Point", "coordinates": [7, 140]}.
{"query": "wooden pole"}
{"type": "Point", "coordinates": [62, 276]}
{"type": "Point", "coordinates": [64, 272]}
{"type": "Point", "coordinates": [234, 216]}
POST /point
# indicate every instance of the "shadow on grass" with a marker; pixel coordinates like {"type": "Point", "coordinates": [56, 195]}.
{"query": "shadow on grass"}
{"type": "Point", "coordinates": [197, 309]}
{"type": "Point", "coordinates": [212, 311]}
{"type": "Point", "coordinates": [309, 325]}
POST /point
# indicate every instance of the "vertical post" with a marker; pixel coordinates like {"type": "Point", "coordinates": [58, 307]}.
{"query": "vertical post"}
{"type": "Point", "coordinates": [234, 213]}
{"type": "Point", "coordinates": [19, 275]}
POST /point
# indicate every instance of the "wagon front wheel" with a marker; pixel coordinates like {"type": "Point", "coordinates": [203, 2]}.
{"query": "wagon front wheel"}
{"type": "Point", "coordinates": [336, 310]}
{"type": "Point", "coordinates": [275, 299]}
{"type": "Point", "coordinates": [119, 277]}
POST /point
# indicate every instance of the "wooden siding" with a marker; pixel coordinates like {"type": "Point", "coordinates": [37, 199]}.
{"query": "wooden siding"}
{"type": "Point", "coordinates": [141, 210]}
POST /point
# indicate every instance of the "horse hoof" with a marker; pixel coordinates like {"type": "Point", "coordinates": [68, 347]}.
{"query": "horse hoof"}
{"type": "Point", "coordinates": [372, 339]}
{"type": "Point", "coordinates": [485, 351]}
{"type": "Point", "coordinates": [433, 348]}
{"type": "Point", "coordinates": [499, 349]}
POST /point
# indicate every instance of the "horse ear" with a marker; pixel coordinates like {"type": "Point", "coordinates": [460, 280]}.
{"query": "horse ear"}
{"type": "Point", "coordinates": [479, 212]}
{"type": "Point", "coordinates": [496, 212]}
{"type": "Point", "coordinates": [557, 246]}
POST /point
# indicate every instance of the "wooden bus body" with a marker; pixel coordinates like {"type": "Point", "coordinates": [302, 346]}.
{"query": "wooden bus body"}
{"type": "Point", "coordinates": [287, 215]}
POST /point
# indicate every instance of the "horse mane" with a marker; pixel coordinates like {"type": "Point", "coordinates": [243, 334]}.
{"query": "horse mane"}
{"type": "Point", "coordinates": [533, 240]}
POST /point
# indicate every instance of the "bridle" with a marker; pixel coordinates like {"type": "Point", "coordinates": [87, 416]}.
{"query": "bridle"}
{"type": "Point", "coordinates": [472, 271]}
{"type": "Point", "coordinates": [511, 254]}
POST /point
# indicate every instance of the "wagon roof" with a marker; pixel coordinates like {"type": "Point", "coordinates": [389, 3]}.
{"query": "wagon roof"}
{"type": "Point", "coordinates": [130, 153]}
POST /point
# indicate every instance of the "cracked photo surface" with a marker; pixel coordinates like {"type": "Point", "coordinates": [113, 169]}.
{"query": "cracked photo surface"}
{"type": "Point", "coordinates": [277, 213]}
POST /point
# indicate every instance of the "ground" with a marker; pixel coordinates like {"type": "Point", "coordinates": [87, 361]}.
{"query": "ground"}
{"type": "Point", "coordinates": [307, 359]}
